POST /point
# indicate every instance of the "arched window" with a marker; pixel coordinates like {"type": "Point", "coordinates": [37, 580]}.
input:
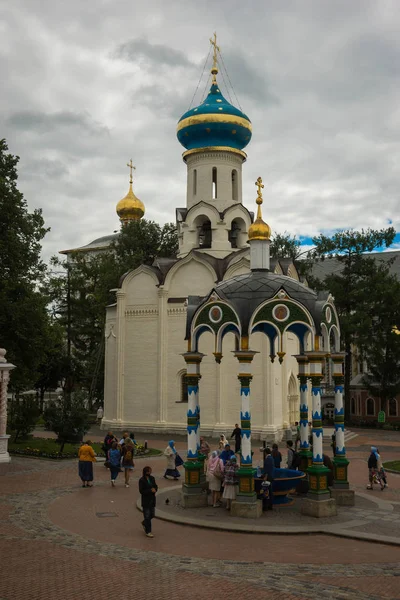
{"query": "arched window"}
{"type": "Point", "coordinates": [233, 234]}
{"type": "Point", "coordinates": [184, 388]}
{"type": "Point", "coordinates": [353, 406]}
{"type": "Point", "coordinates": [393, 407]}
{"type": "Point", "coordinates": [370, 407]}
{"type": "Point", "coordinates": [214, 183]}
{"type": "Point", "coordinates": [194, 182]}
{"type": "Point", "coordinates": [234, 185]}
{"type": "Point", "coordinates": [205, 238]}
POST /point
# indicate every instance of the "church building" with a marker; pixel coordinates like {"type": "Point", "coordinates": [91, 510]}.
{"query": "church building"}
{"type": "Point", "coordinates": [145, 371]}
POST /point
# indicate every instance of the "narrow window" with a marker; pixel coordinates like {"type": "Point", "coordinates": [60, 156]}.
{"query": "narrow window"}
{"type": "Point", "coordinates": [234, 185]}
{"type": "Point", "coordinates": [393, 407]}
{"type": "Point", "coordinates": [370, 407]}
{"type": "Point", "coordinates": [214, 183]}
{"type": "Point", "coordinates": [184, 388]}
{"type": "Point", "coordinates": [194, 182]}
{"type": "Point", "coordinates": [353, 406]}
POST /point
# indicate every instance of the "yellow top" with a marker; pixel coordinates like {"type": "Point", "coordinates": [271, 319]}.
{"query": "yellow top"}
{"type": "Point", "coordinates": [86, 453]}
{"type": "Point", "coordinates": [214, 69]}
{"type": "Point", "coordinates": [259, 230]}
{"type": "Point", "coordinates": [130, 208]}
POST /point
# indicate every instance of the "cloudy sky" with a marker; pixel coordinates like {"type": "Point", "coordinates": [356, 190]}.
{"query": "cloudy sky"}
{"type": "Point", "coordinates": [86, 85]}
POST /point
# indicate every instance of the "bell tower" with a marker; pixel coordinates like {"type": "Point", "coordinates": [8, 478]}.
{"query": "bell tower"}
{"type": "Point", "coordinates": [213, 135]}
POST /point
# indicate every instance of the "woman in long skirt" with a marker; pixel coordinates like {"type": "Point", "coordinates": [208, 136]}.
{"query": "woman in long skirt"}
{"type": "Point", "coordinates": [86, 459]}
{"type": "Point", "coordinates": [230, 481]}
{"type": "Point", "coordinates": [171, 454]}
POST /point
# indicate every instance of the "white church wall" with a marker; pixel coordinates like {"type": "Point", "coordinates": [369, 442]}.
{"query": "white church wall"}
{"type": "Point", "coordinates": [140, 288]}
{"type": "Point", "coordinates": [140, 370]}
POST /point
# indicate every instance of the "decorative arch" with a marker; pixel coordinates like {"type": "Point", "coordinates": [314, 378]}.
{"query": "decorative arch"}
{"type": "Point", "coordinates": [127, 278]}
{"type": "Point", "coordinates": [182, 385]}
{"type": "Point", "coordinates": [238, 268]}
{"type": "Point", "coordinates": [271, 331]}
{"type": "Point", "coordinates": [183, 261]}
{"type": "Point", "coordinates": [301, 331]}
{"type": "Point", "coordinates": [197, 333]}
{"type": "Point", "coordinates": [370, 407]}
{"type": "Point", "coordinates": [334, 336]}
{"type": "Point", "coordinates": [226, 328]}
{"type": "Point", "coordinates": [202, 208]}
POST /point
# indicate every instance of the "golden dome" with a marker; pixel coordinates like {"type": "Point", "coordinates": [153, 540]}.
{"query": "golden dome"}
{"type": "Point", "coordinates": [259, 230]}
{"type": "Point", "coordinates": [130, 208]}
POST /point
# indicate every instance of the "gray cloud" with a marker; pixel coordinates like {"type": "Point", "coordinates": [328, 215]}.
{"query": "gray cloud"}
{"type": "Point", "coordinates": [140, 49]}
{"type": "Point", "coordinates": [90, 85]}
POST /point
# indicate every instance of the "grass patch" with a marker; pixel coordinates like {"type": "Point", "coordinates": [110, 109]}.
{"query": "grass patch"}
{"type": "Point", "coordinates": [50, 448]}
{"type": "Point", "coordinates": [394, 465]}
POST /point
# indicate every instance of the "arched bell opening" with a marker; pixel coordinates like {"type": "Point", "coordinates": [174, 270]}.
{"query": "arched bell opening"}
{"type": "Point", "coordinates": [237, 235]}
{"type": "Point", "coordinates": [204, 233]}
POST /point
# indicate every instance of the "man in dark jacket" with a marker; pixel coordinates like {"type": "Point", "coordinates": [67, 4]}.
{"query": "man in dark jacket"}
{"type": "Point", "coordinates": [269, 474]}
{"type": "Point", "coordinates": [226, 454]}
{"type": "Point", "coordinates": [372, 466]}
{"type": "Point", "coordinates": [148, 489]}
{"type": "Point", "coordinates": [237, 434]}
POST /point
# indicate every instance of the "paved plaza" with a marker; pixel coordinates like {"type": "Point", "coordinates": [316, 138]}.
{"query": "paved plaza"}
{"type": "Point", "coordinates": [59, 540]}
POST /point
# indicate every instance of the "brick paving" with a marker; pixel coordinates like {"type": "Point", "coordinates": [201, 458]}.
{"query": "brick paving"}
{"type": "Point", "coordinates": [54, 544]}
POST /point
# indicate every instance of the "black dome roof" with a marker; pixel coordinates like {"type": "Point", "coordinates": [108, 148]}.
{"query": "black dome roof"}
{"type": "Point", "coordinates": [247, 292]}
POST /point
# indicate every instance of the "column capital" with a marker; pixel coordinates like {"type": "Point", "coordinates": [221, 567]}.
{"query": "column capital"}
{"type": "Point", "coordinates": [193, 358]}
{"type": "Point", "coordinates": [245, 356]}
{"type": "Point", "coordinates": [338, 357]}
{"type": "Point", "coordinates": [161, 293]}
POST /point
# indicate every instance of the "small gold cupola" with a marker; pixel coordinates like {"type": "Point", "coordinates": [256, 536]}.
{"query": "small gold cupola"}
{"type": "Point", "coordinates": [130, 208]}
{"type": "Point", "coordinates": [259, 230]}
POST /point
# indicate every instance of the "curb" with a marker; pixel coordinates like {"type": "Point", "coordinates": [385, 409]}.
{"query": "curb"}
{"type": "Point", "coordinates": [334, 530]}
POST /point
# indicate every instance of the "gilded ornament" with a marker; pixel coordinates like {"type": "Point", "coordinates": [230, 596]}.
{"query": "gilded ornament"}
{"type": "Point", "coordinates": [259, 230]}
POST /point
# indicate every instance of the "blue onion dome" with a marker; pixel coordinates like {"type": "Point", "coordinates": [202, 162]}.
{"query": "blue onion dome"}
{"type": "Point", "coordinates": [214, 123]}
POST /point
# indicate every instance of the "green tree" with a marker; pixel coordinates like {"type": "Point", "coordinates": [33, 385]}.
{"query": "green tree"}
{"type": "Point", "coordinates": [68, 417]}
{"type": "Point", "coordinates": [283, 245]}
{"type": "Point", "coordinates": [351, 283]}
{"type": "Point", "coordinates": [379, 343]}
{"type": "Point", "coordinates": [23, 315]}
{"type": "Point", "coordinates": [23, 417]}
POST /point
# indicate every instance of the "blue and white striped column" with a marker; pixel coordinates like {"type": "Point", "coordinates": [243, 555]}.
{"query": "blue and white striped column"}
{"type": "Point", "coordinates": [317, 431]}
{"type": "Point", "coordinates": [340, 461]}
{"type": "Point", "coordinates": [245, 421]}
{"type": "Point", "coordinates": [193, 416]}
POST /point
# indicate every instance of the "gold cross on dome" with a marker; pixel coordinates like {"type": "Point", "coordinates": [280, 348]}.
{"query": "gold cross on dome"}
{"type": "Point", "coordinates": [214, 69]}
{"type": "Point", "coordinates": [131, 167]}
{"type": "Point", "coordinates": [260, 186]}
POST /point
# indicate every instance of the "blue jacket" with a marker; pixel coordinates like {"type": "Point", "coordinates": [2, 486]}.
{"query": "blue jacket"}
{"type": "Point", "coordinates": [225, 455]}
{"type": "Point", "coordinates": [269, 467]}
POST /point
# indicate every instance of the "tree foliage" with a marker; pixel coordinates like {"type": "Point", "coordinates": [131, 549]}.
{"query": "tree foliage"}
{"type": "Point", "coordinates": [379, 344]}
{"type": "Point", "coordinates": [23, 314]}
{"type": "Point", "coordinates": [68, 417]}
{"type": "Point", "coordinates": [283, 245]}
{"type": "Point", "coordinates": [351, 283]}
{"type": "Point", "coordinates": [23, 416]}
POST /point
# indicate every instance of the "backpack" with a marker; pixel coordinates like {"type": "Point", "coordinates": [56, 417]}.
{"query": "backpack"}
{"type": "Point", "coordinates": [128, 456]}
{"type": "Point", "coordinates": [296, 461]}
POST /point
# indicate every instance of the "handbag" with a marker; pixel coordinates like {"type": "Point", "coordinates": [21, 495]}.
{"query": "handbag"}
{"type": "Point", "coordinates": [107, 464]}
{"type": "Point", "coordinates": [178, 461]}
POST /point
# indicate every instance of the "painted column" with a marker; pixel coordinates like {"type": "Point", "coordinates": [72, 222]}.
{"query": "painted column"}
{"type": "Point", "coordinates": [246, 472]}
{"type": "Point", "coordinates": [317, 473]}
{"type": "Point", "coordinates": [194, 467]}
{"type": "Point", "coordinates": [5, 368]}
{"type": "Point", "coordinates": [340, 461]}
{"type": "Point", "coordinates": [305, 454]}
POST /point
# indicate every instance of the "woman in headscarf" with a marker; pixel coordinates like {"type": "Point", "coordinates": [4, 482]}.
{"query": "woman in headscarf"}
{"type": "Point", "coordinates": [171, 454]}
{"type": "Point", "coordinates": [222, 442]}
{"type": "Point", "coordinates": [215, 475]}
{"type": "Point", "coordinates": [230, 481]}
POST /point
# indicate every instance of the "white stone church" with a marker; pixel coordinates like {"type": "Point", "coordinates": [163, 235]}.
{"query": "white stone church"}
{"type": "Point", "coordinates": [145, 384]}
